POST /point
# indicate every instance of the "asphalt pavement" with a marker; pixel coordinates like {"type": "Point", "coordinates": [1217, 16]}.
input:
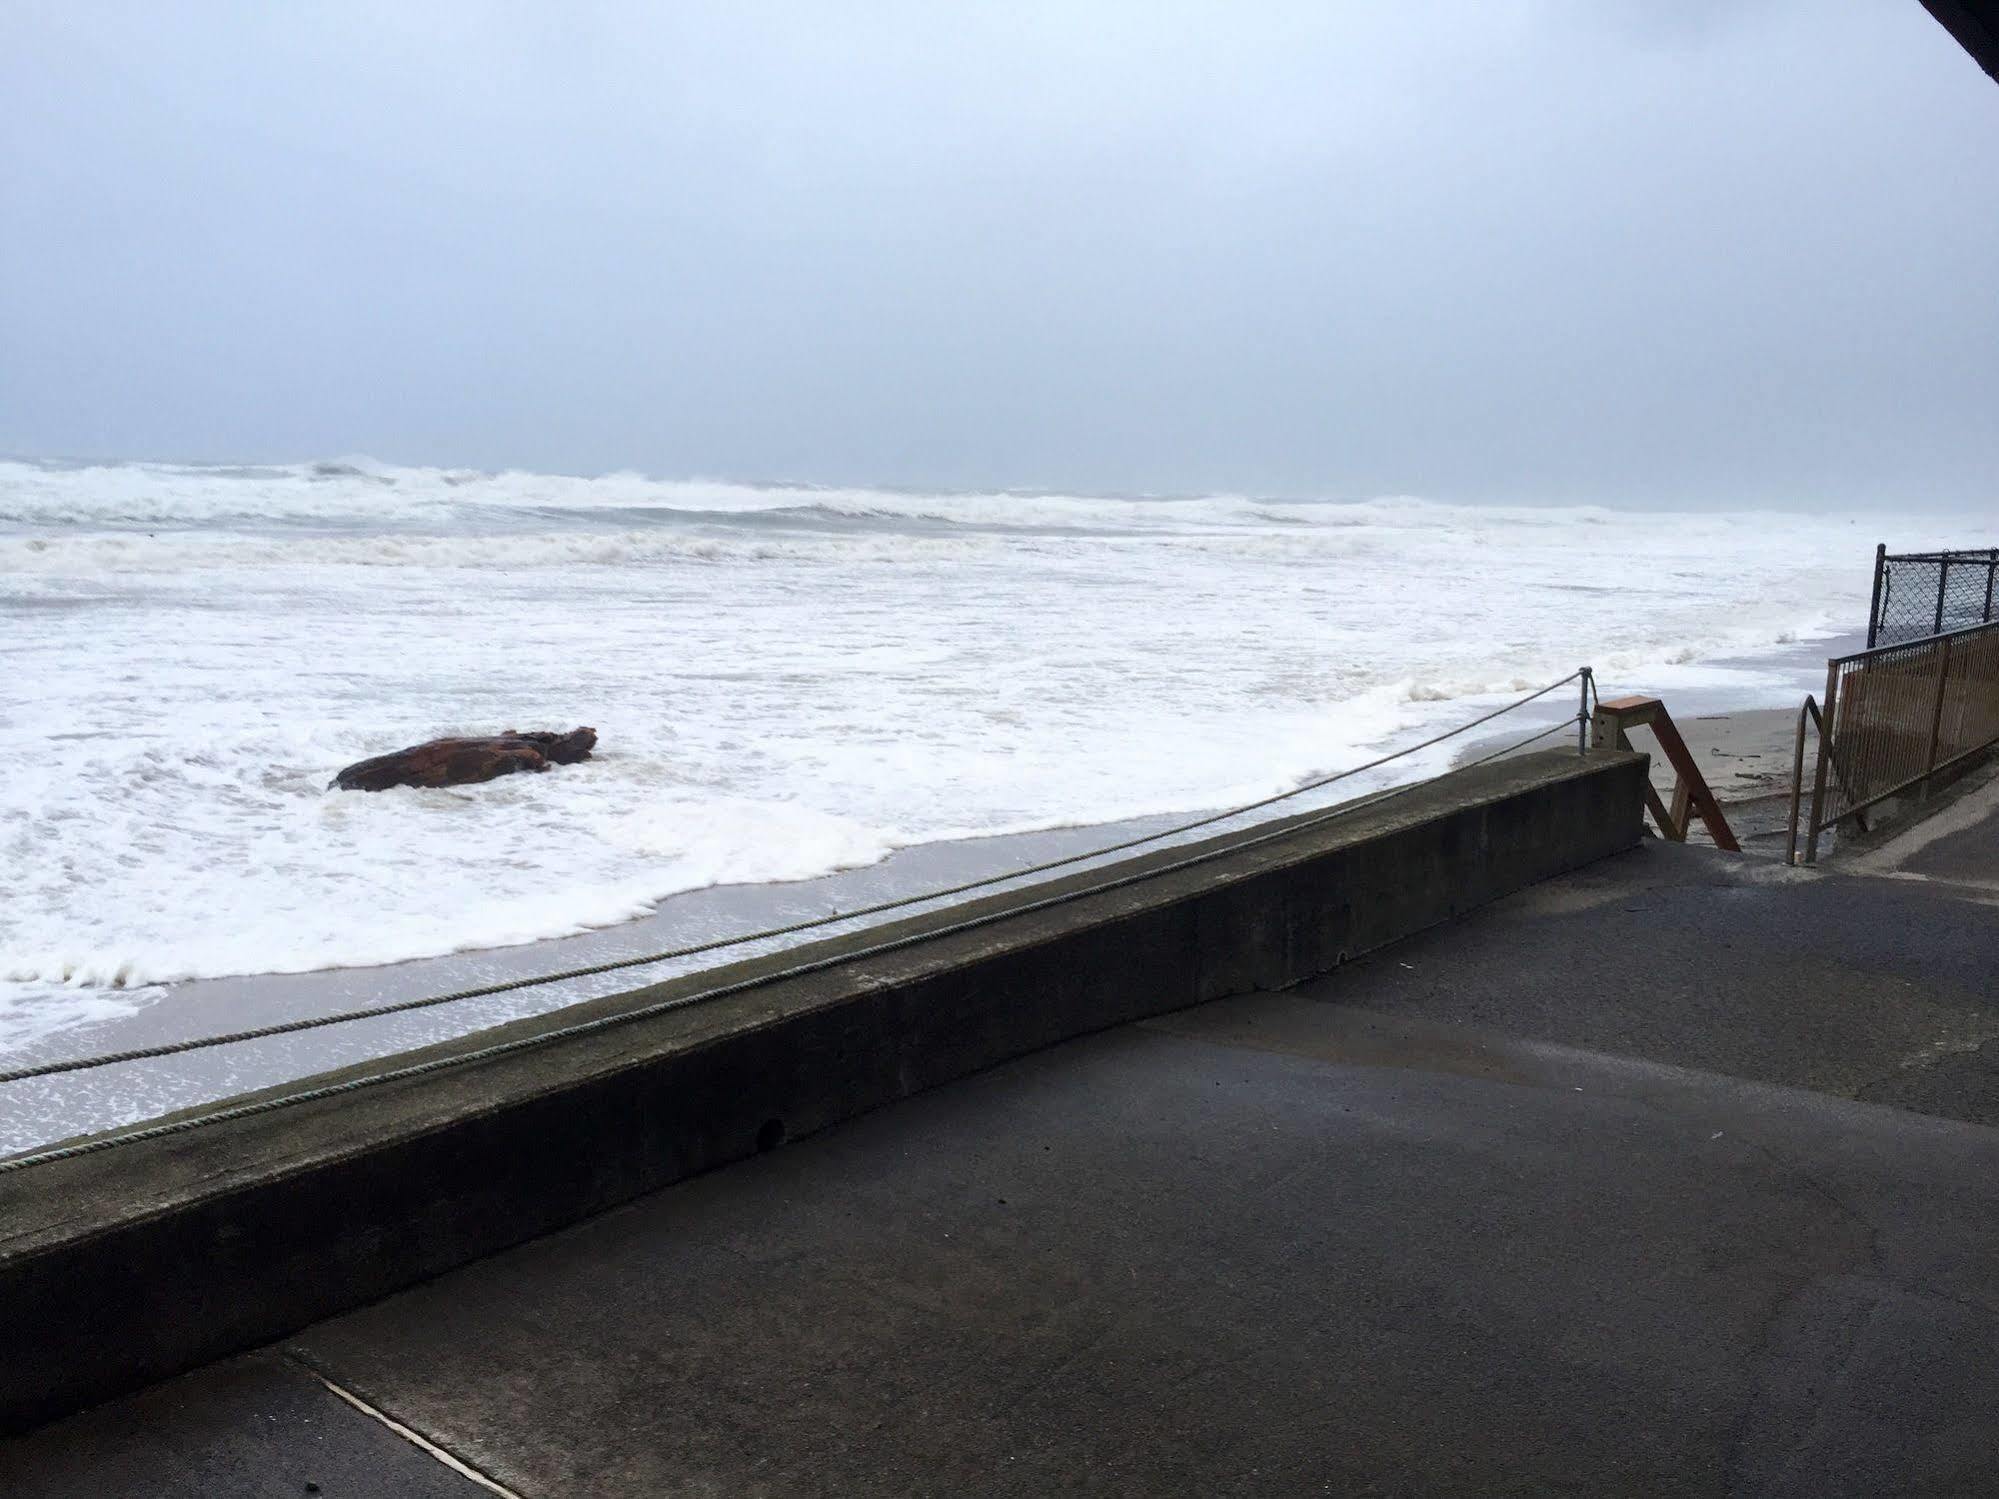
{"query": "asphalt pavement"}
{"type": "Point", "coordinates": [1676, 1175]}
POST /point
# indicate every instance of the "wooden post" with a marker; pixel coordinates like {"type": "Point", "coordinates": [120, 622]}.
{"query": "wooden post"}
{"type": "Point", "coordinates": [1694, 783]}
{"type": "Point", "coordinates": [1690, 788]}
{"type": "Point", "coordinates": [1682, 809]}
{"type": "Point", "coordinates": [1607, 729]}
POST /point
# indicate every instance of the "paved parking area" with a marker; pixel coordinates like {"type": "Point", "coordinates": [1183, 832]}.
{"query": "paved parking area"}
{"type": "Point", "coordinates": [1594, 1191]}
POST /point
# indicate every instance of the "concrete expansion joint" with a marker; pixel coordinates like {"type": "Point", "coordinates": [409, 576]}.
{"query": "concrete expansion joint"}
{"type": "Point", "coordinates": [409, 1434]}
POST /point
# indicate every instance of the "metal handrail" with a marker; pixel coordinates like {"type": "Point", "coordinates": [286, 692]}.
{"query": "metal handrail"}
{"type": "Point", "coordinates": [1911, 643]}
{"type": "Point", "coordinates": [1896, 739]}
{"type": "Point", "coordinates": [1811, 707]}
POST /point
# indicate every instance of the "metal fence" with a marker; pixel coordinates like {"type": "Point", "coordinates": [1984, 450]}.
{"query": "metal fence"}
{"type": "Point", "coordinates": [1918, 594]}
{"type": "Point", "coordinates": [1897, 715]}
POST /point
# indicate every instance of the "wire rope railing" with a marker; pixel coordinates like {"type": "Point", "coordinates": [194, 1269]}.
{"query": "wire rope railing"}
{"type": "Point", "coordinates": [1286, 828]}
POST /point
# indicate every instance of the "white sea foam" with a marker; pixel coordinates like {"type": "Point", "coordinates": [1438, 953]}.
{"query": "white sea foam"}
{"type": "Point", "coordinates": [785, 679]}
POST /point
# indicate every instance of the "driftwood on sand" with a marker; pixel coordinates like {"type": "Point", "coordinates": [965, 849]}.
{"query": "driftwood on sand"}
{"type": "Point", "coordinates": [459, 762]}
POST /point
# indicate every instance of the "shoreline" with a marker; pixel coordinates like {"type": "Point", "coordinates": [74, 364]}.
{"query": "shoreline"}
{"type": "Point", "coordinates": [1744, 755]}
{"type": "Point", "coordinates": [1751, 744]}
{"type": "Point", "coordinates": [42, 1110]}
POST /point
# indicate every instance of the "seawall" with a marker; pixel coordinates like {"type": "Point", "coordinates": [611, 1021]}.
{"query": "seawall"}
{"type": "Point", "coordinates": [124, 1266]}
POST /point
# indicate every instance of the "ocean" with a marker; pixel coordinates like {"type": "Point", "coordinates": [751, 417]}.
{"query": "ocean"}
{"type": "Point", "coordinates": [785, 679]}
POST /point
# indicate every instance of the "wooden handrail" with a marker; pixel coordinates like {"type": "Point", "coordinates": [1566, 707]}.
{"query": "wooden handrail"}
{"type": "Point", "coordinates": [1691, 795]}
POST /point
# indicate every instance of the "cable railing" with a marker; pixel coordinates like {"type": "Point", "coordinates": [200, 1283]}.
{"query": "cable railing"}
{"type": "Point", "coordinates": [1286, 827]}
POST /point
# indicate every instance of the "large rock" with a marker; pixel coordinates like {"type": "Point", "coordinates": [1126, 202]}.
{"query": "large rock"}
{"type": "Point", "coordinates": [459, 762]}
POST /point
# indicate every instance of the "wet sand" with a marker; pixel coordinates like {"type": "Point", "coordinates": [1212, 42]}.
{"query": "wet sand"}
{"type": "Point", "coordinates": [42, 1110]}
{"type": "Point", "coordinates": [1742, 743]}
{"type": "Point", "coordinates": [1745, 757]}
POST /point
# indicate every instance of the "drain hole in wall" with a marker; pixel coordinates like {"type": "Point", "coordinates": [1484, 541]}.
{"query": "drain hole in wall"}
{"type": "Point", "coordinates": [770, 1135]}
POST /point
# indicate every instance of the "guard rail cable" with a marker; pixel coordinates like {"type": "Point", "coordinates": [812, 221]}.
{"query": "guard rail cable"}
{"type": "Point", "coordinates": [96, 1143]}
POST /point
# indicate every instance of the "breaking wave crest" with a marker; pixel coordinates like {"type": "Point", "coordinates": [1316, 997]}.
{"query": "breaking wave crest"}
{"type": "Point", "coordinates": [361, 491]}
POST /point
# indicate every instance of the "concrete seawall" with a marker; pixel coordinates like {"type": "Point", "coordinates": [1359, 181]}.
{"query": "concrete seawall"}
{"type": "Point", "coordinates": [127, 1265]}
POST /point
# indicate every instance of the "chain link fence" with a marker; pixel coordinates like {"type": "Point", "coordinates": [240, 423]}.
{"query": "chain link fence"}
{"type": "Point", "coordinates": [1919, 594]}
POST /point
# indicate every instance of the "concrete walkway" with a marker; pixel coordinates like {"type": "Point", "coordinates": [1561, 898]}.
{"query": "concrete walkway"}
{"type": "Point", "coordinates": [1595, 1191]}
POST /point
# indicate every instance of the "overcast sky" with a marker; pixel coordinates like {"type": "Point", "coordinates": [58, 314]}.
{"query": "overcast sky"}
{"type": "Point", "coordinates": [1624, 251]}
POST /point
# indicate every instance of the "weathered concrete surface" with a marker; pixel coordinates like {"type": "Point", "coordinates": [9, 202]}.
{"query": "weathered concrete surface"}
{"type": "Point", "coordinates": [1884, 989]}
{"type": "Point", "coordinates": [1958, 843]}
{"type": "Point", "coordinates": [1331, 1240]}
{"type": "Point", "coordinates": [1383, 1258]}
{"type": "Point", "coordinates": [257, 1425]}
{"type": "Point", "coordinates": [1147, 1265]}
{"type": "Point", "coordinates": [123, 1266]}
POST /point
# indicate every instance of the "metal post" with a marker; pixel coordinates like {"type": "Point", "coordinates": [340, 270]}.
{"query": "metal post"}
{"type": "Point", "coordinates": [1991, 568]}
{"type": "Point", "coordinates": [1811, 709]}
{"type": "Point", "coordinates": [1582, 712]}
{"type": "Point", "coordinates": [1874, 606]}
{"type": "Point", "coordinates": [1828, 725]}
{"type": "Point", "coordinates": [1936, 715]}
{"type": "Point", "coordinates": [1943, 586]}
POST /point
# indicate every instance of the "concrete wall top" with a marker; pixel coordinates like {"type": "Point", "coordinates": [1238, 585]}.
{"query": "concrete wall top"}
{"type": "Point", "coordinates": [154, 1255]}
{"type": "Point", "coordinates": [60, 1201]}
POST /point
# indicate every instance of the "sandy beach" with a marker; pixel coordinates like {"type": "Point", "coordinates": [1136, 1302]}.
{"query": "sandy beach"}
{"type": "Point", "coordinates": [1743, 743]}
{"type": "Point", "coordinates": [1745, 756]}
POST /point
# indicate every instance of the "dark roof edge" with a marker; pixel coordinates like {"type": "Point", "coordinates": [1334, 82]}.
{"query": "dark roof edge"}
{"type": "Point", "coordinates": [1975, 24]}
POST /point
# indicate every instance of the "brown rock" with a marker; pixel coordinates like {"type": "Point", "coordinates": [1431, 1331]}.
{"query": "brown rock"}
{"type": "Point", "coordinates": [460, 762]}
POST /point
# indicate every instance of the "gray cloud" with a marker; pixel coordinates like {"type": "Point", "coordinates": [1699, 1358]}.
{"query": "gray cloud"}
{"type": "Point", "coordinates": [1526, 251]}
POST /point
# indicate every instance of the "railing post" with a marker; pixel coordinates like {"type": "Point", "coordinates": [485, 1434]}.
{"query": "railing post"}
{"type": "Point", "coordinates": [1943, 587]}
{"type": "Point", "coordinates": [1991, 568]}
{"type": "Point", "coordinates": [1582, 712]}
{"type": "Point", "coordinates": [1828, 722]}
{"type": "Point", "coordinates": [1874, 605]}
{"type": "Point", "coordinates": [1936, 715]}
{"type": "Point", "coordinates": [1798, 773]}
